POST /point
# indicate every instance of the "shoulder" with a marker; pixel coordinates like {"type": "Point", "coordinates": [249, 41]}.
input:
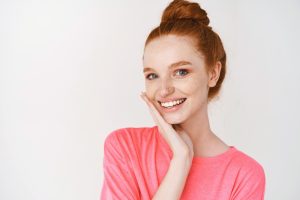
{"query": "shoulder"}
{"type": "Point", "coordinates": [248, 167]}
{"type": "Point", "coordinates": [125, 143]}
{"type": "Point", "coordinates": [128, 135]}
{"type": "Point", "coordinates": [250, 177]}
{"type": "Point", "coordinates": [247, 164]}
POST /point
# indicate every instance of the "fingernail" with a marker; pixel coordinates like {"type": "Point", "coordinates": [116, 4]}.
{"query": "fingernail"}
{"type": "Point", "coordinates": [142, 95]}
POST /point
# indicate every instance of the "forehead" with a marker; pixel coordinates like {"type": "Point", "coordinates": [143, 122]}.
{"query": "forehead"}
{"type": "Point", "coordinates": [169, 49]}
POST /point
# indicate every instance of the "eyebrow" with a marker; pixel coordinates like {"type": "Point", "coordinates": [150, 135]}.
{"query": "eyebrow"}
{"type": "Point", "coordinates": [179, 63]}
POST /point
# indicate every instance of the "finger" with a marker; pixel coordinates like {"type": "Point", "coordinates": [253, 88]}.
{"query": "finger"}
{"type": "Point", "coordinates": [160, 121]}
{"type": "Point", "coordinates": [153, 109]}
{"type": "Point", "coordinates": [166, 129]}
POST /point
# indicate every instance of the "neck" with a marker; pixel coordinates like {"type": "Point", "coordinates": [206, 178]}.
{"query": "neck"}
{"type": "Point", "coordinates": [198, 128]}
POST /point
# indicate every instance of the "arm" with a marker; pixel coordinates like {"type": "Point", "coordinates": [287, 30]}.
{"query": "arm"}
{"type": "Point", "coordinates": [183, 153]}
{"type": "Point", "coordinates": [173, 183]}
{"type": "Point", "coordinates": [119, 182]}
{"type": "Point", "coordinates": [251, 184]}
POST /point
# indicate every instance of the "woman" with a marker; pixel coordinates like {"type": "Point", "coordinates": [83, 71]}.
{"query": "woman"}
{"type": "Point", "coordinates": [180, 157]}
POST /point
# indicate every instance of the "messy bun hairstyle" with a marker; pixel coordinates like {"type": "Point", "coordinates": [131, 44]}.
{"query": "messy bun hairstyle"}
{"type": "Point", "coordinates": [184, 18]}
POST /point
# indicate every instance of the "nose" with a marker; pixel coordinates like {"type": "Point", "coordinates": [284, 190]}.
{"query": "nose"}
{"type": "Point", "coordinates": [167, 88]}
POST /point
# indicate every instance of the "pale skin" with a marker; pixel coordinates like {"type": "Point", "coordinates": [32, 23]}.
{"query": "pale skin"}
{"type": "Point", "coordinates": [186, 130]}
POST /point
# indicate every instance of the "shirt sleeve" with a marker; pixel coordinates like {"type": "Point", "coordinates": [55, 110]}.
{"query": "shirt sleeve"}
{"type": "Point", "coordinates": [251, 183]}
{"type": "Point", "coordinates": [119, 181]}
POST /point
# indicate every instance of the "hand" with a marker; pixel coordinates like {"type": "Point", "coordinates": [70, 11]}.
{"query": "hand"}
{"type": "Point", "coordinates": [178, 140]}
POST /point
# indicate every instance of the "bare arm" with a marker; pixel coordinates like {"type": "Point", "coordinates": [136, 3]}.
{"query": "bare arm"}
{"type": "Point", "coordinates": [174, 181]}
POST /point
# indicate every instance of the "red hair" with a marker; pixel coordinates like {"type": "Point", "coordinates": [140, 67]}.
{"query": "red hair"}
{"type": "Point", "coordinates": [183, 18]}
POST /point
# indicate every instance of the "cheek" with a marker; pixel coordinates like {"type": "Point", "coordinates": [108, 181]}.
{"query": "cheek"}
{"type": "Point", "coordinates": [150, 90]}
{"type": "Point", "coordinates": [192, 86]}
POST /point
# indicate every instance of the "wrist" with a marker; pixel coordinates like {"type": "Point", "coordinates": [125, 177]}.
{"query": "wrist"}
{"type": "Point", "coordinates": [182, 162]}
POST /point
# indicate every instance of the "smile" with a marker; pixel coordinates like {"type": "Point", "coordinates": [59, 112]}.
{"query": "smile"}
{"type": "Point", "coordinates": [171, 104]}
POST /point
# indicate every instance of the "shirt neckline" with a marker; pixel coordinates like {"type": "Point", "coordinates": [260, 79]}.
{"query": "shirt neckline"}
{"type": "Point", "coordinates": [198, 159]}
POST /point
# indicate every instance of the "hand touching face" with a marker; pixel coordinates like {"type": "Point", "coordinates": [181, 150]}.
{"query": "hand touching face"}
{"type": "Point", "coordinates": [176, 137]}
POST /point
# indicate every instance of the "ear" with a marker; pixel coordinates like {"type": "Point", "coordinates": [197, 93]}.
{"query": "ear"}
{"type": "Point", "coordinates": [214, 74]}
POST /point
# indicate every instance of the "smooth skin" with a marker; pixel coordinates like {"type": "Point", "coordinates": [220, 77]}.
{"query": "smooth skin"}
{"type": "Point", "coordinates": [173, 183]}
{"type": "Point", "coordinates": [186, 130]}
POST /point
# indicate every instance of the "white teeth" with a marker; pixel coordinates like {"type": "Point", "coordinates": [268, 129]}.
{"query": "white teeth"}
{"type": "Point", "coordinates": [172, 103]}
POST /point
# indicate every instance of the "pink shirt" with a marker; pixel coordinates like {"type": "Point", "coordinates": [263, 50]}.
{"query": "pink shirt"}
{"type": "Point", "coordinates": [137, 159]}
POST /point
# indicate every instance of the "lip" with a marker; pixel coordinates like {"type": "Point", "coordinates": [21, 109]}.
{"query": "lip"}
{"type": "Point", "coordinates": [173, 109]}
{"type": "Point", "coordinates": [169, 99]}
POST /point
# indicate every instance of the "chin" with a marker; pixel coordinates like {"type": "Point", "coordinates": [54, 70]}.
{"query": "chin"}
{"type": "Point", "coordinates": [174, 119]}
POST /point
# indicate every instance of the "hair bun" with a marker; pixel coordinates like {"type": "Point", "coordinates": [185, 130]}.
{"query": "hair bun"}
{"type": "Point", "coordinates": [181, 9]}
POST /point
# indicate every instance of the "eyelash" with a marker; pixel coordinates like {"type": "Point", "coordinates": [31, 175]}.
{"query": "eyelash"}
{"type": "Point", "coordinates": [147, 77]}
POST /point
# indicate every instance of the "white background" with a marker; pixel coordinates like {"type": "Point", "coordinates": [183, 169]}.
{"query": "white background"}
{"type": "Point", "coordinates": [71, 72]}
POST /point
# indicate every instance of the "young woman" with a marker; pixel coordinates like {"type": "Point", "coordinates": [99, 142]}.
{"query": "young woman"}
{"type": "Point", "coordinates": [180, 157]}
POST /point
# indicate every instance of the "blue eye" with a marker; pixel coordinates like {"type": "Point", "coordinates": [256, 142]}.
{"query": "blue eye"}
{"type": "Point", "coordinates": [149, 75]}
{"type": "Point", "coordinates": [182, 70]}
